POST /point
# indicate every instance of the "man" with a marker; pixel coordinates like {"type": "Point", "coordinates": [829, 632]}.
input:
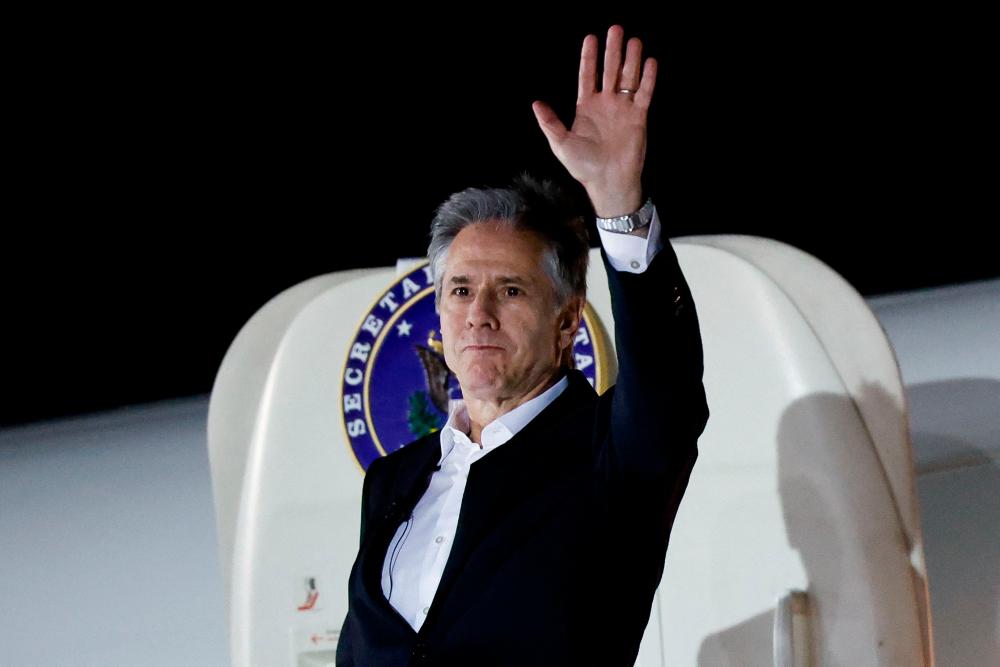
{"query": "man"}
{"type": "Point", "coordinates": [532, 529]}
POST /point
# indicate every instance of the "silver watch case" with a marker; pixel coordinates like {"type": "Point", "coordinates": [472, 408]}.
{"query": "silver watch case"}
{"type": "Point", "coordinates": [624, 224]}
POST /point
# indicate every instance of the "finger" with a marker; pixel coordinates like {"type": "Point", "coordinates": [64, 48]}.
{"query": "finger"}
{"type": "Point", "coordinates": [633, 59]}
{"type": "Point", "coordinates": [612, 58]}
{"type": "Point", "coordinates": [549, 122]}
{"type": "Point", "coordinates": [645, 93]}
{"type": "Point", "coordinates": [588, 69]}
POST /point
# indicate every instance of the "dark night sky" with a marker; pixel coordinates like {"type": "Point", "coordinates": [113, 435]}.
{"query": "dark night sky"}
{"type": "Point", "coordinates": [175, 173]}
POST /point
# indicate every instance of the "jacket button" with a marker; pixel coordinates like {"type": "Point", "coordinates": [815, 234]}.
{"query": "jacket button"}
{"type": "Point", "coordinates": [421, 651]}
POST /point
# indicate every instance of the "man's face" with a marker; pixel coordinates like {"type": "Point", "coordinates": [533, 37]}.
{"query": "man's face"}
{"type": "Point", "coordinates": [502, 332]}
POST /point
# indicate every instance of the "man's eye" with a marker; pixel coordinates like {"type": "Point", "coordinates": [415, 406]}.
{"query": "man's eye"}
{"type": "Point", "coordinates": [460, 291]}
{"type": "Point", "coordinates": [513, 291]}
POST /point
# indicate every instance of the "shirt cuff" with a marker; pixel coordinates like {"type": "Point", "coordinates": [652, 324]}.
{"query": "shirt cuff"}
{"type": "Point", "coordinates": [630, 253]}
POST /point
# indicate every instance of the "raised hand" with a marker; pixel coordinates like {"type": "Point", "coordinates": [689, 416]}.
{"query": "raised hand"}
{"type": "Point", "coordinates": [606, 147]}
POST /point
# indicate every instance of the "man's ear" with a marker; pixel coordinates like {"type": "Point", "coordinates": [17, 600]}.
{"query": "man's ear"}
{"type": "Point", "coordinates": [569, 321]}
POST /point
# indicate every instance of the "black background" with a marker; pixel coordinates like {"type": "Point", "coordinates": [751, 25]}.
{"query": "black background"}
{"type": "Point", "coordinates": [171, 173]}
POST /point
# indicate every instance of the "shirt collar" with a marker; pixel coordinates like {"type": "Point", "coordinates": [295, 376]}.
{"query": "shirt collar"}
{"type": "Point", "coordinates": [501, 429]}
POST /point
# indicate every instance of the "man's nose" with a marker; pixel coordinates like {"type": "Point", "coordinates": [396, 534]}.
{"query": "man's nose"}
{"type": "Point", "coordinates": [482, 311]}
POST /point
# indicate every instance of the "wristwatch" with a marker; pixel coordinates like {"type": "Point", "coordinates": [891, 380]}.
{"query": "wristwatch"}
{"type": "Point", "coordinates": [623, 224]}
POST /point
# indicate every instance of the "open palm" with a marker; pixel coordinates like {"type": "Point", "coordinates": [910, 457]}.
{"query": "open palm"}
{"type": "Point", "coordinates": [606, 146]}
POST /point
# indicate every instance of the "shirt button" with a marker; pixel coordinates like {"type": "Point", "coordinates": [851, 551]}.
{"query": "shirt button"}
{"type": "Point", "coordinates": [634, 264]}
{"type": "Point", "coordinates": [439, 539]}
{"type": "Point", "coordinates": [425, 610]}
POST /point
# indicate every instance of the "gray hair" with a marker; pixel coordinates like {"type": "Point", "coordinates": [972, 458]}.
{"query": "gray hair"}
{"type": "Point", "coordinates": [529, 204]}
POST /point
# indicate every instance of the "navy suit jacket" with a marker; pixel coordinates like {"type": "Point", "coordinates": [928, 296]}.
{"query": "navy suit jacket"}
{"type": "Point", "coordinates": [563, 530]}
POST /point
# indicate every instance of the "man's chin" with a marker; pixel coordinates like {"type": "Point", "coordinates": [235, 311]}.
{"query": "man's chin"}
{"type": "Point", "coordinates": [480, 386]}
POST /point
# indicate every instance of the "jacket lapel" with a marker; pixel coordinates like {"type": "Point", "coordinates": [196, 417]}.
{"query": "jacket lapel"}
{"type": "Point", "coordinates": [500, 481]}
{"type": "Point", "coordinates": [497, 484]}
{"type": "Point", "coordinates": [407, 486]}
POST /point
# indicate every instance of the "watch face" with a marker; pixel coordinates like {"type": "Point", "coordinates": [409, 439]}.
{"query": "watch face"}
{"type": "Point", "coordinates": [645, 213]}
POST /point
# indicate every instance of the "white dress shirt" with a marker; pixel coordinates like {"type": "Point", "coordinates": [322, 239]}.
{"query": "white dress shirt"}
{"type": "Point", "coordinates": [418, 552]}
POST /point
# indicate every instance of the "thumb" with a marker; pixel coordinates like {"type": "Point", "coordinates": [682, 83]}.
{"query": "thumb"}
{"type": "Point", "coordinates": [549, 122]}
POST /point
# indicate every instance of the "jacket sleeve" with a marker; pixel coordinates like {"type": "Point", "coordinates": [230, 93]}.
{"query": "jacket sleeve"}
{"type": "Point", "coordinates": [345, 654]}
{"type": "Point", "coordinates": [657, 409]}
